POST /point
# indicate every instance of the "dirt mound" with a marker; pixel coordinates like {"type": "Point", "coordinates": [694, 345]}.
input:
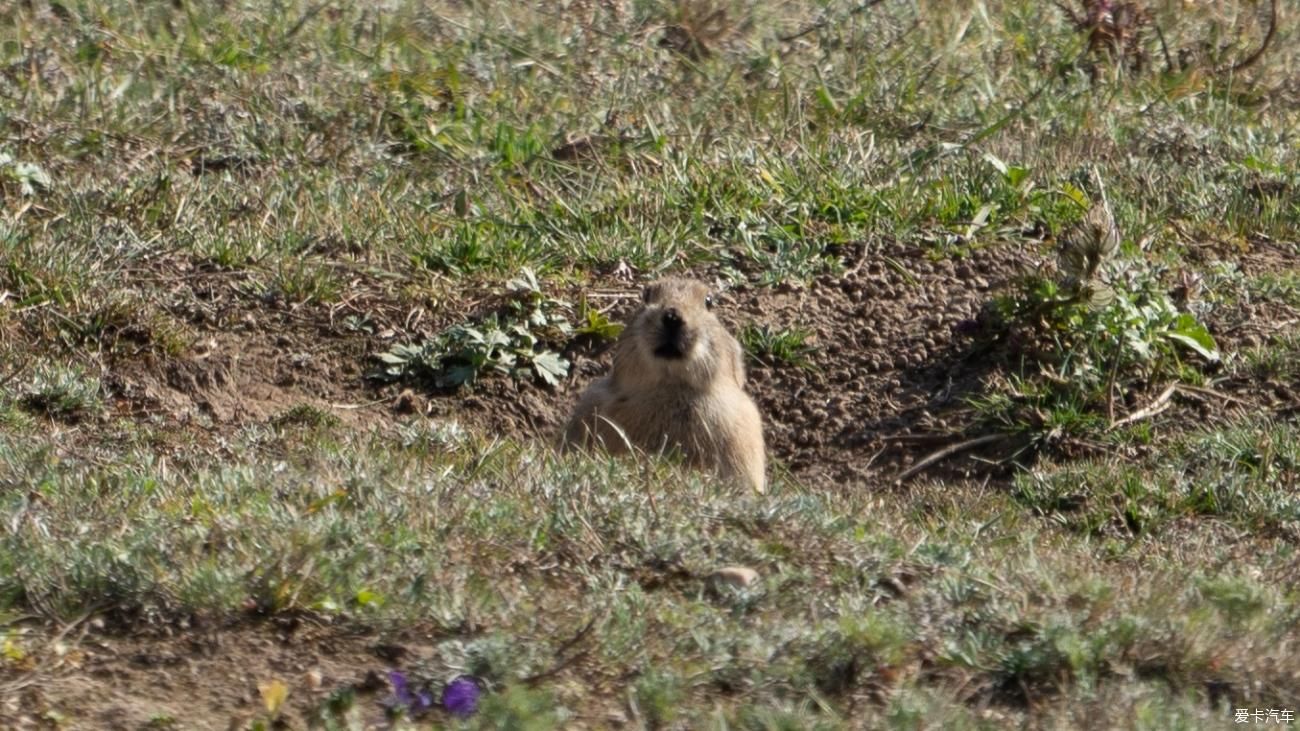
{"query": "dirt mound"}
{"type": "Point", "coordinates": [209, 677]}
{"type": "Point", "coordinates": [886, 360]}
{"type": "Point", "coordinates": [247, 377]}
{"type": "Point", "coordinates": [890, 359]}
{"type": "Point", "coordinates": [886, 380]}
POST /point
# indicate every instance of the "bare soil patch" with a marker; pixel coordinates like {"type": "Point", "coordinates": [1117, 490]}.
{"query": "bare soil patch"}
{"type": "Point", "coordinates": [891, 360]}
{"type": "Point", "coordinates": [206, 676]}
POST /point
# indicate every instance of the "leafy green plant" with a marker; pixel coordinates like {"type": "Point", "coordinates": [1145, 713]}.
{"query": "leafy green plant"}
{"type": "Point", "coordinates": [63, 392]}
{"type": "Point", "coordinates": [519, 707]}
{"type": "Point", "coordinates": [594, 323]}
{"type": "Point", "coordinates": [518, 341]}
{"type": "Point", "coordinates": [461, 354]}
{"type": "Point", "coordinates": [303, 282]}
{"type": "Point", "coordinates": [1096, 326]}
{"type": "Point", "coordinates": [658, 697]}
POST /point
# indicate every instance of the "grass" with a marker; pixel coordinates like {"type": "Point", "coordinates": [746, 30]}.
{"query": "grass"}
{"type": "Point", "coordinates": [772, 346]}
{"type": "Point", "coordinates": [439, 178]}
{"type": "Point", "coordinates": [1242, 475]}
{"type": "Point", "coordinates": [907, 608]}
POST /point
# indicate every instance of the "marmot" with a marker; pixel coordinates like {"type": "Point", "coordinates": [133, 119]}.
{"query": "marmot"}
{"type": "Point", "coordinates": [677, 383]}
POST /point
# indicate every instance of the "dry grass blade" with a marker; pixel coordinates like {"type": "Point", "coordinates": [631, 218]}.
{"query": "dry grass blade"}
{"type": "Point", "coordinates": [1212, 393]}
{"type": "Point", "coordinates": [1156, 407]}
{"type": "Point", "coordinates": [947, 452]}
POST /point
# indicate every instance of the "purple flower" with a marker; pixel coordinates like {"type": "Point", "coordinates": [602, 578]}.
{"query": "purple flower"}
{"type": "Point", "coordinates": [460, 697]}
{"type": "Point", "coordinates": [403, 699]}
{"type": "Point", "coordinates": [399, 684]}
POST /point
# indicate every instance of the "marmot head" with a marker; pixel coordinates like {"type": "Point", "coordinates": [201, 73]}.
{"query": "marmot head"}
{"type": "Point", "coordinates": [676, 337]}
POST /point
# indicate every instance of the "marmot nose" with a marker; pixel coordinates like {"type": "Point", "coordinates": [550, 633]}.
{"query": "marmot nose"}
{"type": "Point", "coordinates": [672, 318]}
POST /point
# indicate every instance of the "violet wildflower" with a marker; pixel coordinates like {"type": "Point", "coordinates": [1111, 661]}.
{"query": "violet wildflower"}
{"type": "Point", "coordinates": [414, 703]}
{"type": "Point", "coordinates": [460, 697]}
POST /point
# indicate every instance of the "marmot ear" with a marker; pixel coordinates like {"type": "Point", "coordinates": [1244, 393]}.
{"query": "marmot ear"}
{"type": "Point", "coordinates": [646, 293]}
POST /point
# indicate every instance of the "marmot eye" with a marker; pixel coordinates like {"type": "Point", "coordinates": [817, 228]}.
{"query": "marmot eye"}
{"type": "Point", "coordinates": [708, 301]}
{"type": "Point", "coordinates": [645, 295]}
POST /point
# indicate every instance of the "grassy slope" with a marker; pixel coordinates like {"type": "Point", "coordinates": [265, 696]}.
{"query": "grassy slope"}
{"type": "Point", "coordinates": [307, 149]}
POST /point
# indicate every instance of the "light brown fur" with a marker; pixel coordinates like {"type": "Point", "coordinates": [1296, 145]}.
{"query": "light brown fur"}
{"type": "Point", "coordinates": [676, 386]}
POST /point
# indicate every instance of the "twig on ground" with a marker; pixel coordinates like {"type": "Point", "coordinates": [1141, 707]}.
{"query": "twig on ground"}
{"type": "Point", "coordinates": [1157, 406]}
{"type": "Point", "coordinates": [1110, 384]}
{"type": "Point", "coordinates": [825, 21]}
{"type": "Point", "coordinates": [1164, 48]}
{"type": "Point", "coordinates": [946, 452]}
{"type": "Point", "coordinates": [1209, 392]}
{"type": "Point", "coordinates": [873, 459]}
{"type": "Point", "coordinates": [363, 404]}
{"type": "Point", "coordinates": [919, 438]}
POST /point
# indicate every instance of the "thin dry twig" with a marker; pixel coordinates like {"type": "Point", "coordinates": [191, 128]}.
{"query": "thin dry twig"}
{"type": "Point", "coordinates": [873, 459]}
{"type": "Point", "coordinates": [1209, 392]}
{"type": "Point", "coordinates": [1164, 49]}
{"type": "Point", "coordinates": [1110, 385]}
{"type": "Point", "coordinates": [946, 452]}
{"type": "Point", "coordinates": [825, 21]}
{"type": "Point", "coordinates": [1157, 406]}
{"type": "Point", "coordinates": [919, 438]}
{"type": "Point", "coordinates": [363, 404]}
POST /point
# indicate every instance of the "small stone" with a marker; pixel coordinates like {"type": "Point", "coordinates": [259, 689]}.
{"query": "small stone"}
{"type": "Point", "coordinates": [737, 576]}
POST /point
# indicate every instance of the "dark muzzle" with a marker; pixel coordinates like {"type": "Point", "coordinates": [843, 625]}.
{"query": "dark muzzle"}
{"type": "Point", "coordinates": [672, 344]}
